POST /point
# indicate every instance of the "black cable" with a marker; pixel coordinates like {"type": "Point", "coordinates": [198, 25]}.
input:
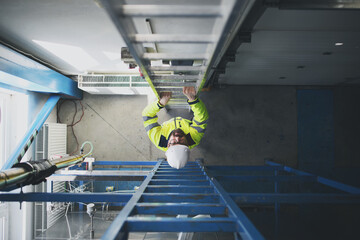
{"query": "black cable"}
{"type": "Point", "coordinates": [73, 123]}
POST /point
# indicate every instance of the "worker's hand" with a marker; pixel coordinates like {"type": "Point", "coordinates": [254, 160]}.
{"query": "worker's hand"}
{"type": "Point", "coordinates": [190, 93]}
{"type": "Point", "coordinates": [164, 98]}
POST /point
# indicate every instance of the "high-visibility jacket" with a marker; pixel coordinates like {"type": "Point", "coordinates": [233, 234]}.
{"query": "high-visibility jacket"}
{"type": "Point", "coordinates": [159, 134]}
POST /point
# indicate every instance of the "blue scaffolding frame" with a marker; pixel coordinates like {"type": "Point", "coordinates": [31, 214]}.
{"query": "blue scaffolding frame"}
{"type": "Point", "coordinates": [196, 189]}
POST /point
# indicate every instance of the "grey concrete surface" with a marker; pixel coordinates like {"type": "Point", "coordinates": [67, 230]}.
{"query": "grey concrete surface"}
{"type": "Point", "coordinates": [246, 125]}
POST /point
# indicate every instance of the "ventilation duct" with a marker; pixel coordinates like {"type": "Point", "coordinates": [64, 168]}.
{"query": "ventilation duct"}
{"type": "Point", "coordinates": [114, 84]}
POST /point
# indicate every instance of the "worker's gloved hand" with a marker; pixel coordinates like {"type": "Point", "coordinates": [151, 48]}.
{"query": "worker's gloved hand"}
{"type": "Point", "coordinates": [190, 93]}
{"type": "Point", "coordinates": [164, 98]}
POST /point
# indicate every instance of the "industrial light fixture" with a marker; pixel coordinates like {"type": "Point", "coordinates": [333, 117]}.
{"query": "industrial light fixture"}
{"type": "Point", "coordinates": [339, 44]}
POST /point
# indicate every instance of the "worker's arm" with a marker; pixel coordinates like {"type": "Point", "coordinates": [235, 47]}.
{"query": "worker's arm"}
{"type": "Point", "coordinates": [152, 127]}
{"type": "Point", "coordinates": [199, 122]}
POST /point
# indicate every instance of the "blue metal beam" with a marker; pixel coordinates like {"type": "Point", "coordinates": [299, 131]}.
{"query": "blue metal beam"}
{"type": "Point", "coordinates": [179, 171]}
{"type": "Point", "coordinates": [266, 178]}
{"type": "Point", "coordinates": [116, 229]}
{"type": "Point", "coordinates": [183, 208]}
{"type": "Point", "coordinates": [151, 224]}
{"type": "Point", "coordinates": [190, 177]}
{"type": "Point", "coordinates": [65, 197]}
{"type": "Point", "coordinates": [22, 72]}
{"type": "Point", "coordinates": [325, 181]}
{"type": "Point", "coordinates": [294, 198]}
{"type": "Point", "coordinates": [212, 168]}
{"type": "Point", "coordinates": [178, 189]}
{"type": "Point", "coordinates": [124, 163]}
{"type": "Point", "coordinates": [178, 182]}
{"type": "Point", "coordinates": [179, 198]}
{"type": "Point", "coordinates": [33, 130]}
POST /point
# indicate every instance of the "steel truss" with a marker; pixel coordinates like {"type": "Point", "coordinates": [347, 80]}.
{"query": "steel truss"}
{"type": "Point", "coordinates": [166, 193]}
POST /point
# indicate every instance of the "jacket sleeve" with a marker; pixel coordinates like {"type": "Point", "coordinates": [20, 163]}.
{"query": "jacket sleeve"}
{"type": "Point", "coordinates": [152, 127]}
{"type": "Point", "coordinates": [199, 122]}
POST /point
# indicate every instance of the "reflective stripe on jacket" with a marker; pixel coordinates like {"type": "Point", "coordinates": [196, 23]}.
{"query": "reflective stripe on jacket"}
{"type": "Point", "coordinates": [159, 134]}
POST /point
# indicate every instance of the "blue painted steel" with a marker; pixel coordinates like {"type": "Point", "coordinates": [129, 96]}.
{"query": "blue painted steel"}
{"type": "Point", "coordinates": [241, 198]}
{"type": "Point", "coordinates": [20, 71]}
{"type": "Point", "coordinates": [179, 197]}
{"type": "Point", "coordinates": [178, 193]}
{"type": "Point", "coordinates": [116, 229]}
{"type": "Point", "coordinates": [190, 177]}
{"type": "Point", "coordinates": [220, 169]}
{"type": "Point", "coordinates": [12, 88]}
{"type": "Point", "coordinates": [183, 208]}
{"type": "Point", "coordinates": [180, 172]}
{"type": "Point", "coordinates": [325, 181]}
{"type": "Point", "coordinates": [151, 224]}
{"type": "Point", "coordinates": [179, 189]}
{"type": "Point", "coordinates": [295, 198]}
{"type": "Point", "coordinates": [136, 163]}
{"type": "Point", "coordinates": [244, 226]}
{"type": "Point", "coordinates": [338, 185]}
{"type": "Point", "coordinates": [267, 178]}
{"type": "Point", "coordinates": [20, 150]}
{"type": "Point", "coordinates": [178, 182]}
{"type": "Point", "coordinates": [65, 197]}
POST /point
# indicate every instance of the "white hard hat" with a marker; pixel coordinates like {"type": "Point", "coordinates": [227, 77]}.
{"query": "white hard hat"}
{"type": "Point", "coordinates": [177, 156]}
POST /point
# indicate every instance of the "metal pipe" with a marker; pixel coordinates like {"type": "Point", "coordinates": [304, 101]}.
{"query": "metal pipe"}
{"type": "Point", "coordinates": [21, 174]}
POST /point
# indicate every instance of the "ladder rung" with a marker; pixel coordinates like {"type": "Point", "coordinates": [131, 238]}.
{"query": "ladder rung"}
{"type": "Point", "coordinates": [161, 224]}
{"type": "Point", "coordinates": [170, 11]}
{"type": "Point", "coordinates": [177, 95]}
{"type": "Point", "coordinates": [189, 164]}
{"type": "Point", "coordinates": [185, 168]}
{"type": "Point", "coordinates": [199, 177]}
{"type": "Point", "coordinates": [174, 56]}
{"type": "Point", "coordinates": [175, 209]}
{"type": "Point", "coordinates": [175, 77]}
{"type": "Point", "coordinates": [180, 197]}
{"type": "Point", "coordinates": [173, 38]}
{"type": "Point", "coordinates": [172, 106]}
{"type": "Point", "coordinates": [179, 182]}
{"type": "Point", "coordinates": [170, 89]}
{"type": "Point", "coordinates": [178, 172]}
{"type": "Point", "coordinates": [174, 84]}
{"type": "Point", "coordinates": [177, 68]}
{"type": "Point", "coordinates": [176, 188]}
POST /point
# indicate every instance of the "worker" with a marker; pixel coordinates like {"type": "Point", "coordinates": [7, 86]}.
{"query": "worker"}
{"type": "Point", "coordinates": [178, 135]}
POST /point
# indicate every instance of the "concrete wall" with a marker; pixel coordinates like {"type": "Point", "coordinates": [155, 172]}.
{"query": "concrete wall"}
{"type": "Point", "coordinates": [247, 124]}
{"type": "Point", "coordinates": [346, 126]}
{"type": "Point", "coordinates": [347, 135]}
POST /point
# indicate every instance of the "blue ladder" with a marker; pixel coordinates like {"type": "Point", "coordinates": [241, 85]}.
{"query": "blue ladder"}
{"type": "Point", "coordinates": [188, 191]}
